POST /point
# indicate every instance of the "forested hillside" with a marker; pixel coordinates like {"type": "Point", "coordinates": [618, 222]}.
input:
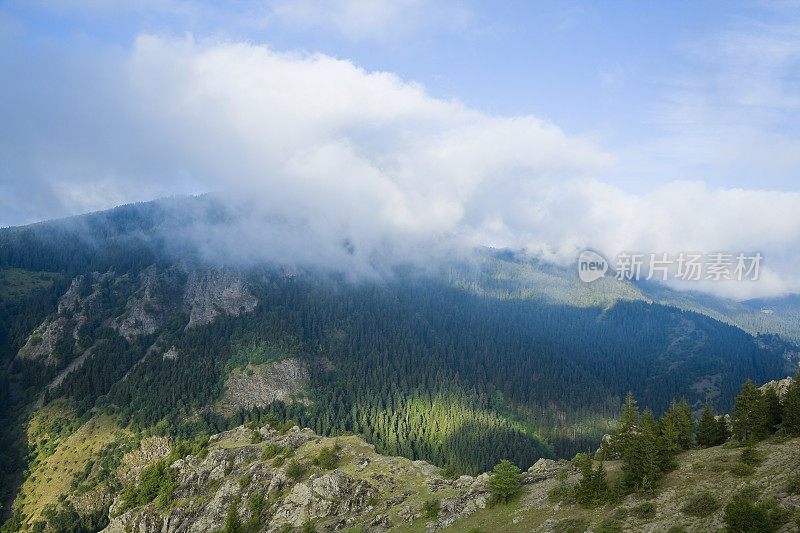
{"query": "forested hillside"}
{"type": "Point", "coordinates": [463, 366]}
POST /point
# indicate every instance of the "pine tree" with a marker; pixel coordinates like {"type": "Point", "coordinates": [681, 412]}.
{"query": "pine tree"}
{"type": "Point", "coordinates": [676, 431]}
{"type": "Point", "coordinates": [643, 457]}
{"type": "Point", "coordinates": [628, 421]}
{"type": "Point", "coordinates": [723, 431]}
{"type": "Point", "coordinates": [707, 429]}
{"type": "Point", "coordinates": [772, 407]}
{"type": "Point", "coordinates": [750, 414]}
{"type": "Point", "coordinates": [593, 488]}
{"type": "Point", "coordinates": [505, 481]}
{"type": "Point", "coordinates": [790, 407]}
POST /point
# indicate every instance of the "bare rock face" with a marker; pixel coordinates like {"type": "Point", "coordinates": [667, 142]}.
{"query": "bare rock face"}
{"type": "Point", "coordinates": [73, 310]}
{"type": "Point", "coordinates": [42, 342]}
{"type": "Point", "coordinates": [150, 306]}
{"type": "Point", "coordinates": [779, 386]}
{"type": "Point", "coordinates": [541, 470]}
{"type": "Point", "coordinates": [260, 385]}
{"type": "Point", "coordinates": [214, 292]}
{"type": "Point", "coordinates": [322, 496]}
{"type": "Point", "coordinates": [233, 472]}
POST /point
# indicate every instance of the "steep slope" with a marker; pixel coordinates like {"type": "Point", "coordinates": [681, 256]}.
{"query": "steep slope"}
{"type": "Point", "coordinates": [462, 364]}
{"type": "Point", "coordinates": [257, 478]}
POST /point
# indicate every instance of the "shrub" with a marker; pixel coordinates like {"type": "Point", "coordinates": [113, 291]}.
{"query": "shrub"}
{"type": "Point", "coordinates": [742, 515]}
{"type": "Point", "coordinates": [741, 469]}
{"type": "Point", "coordinates": [750, 456]}
{"type": "Point", "coordinates": [562, 493]}
{"type": "Point", "coordinates": [644, 510]}
{"type": "Point", "coordinates": [676, 529]}
{"type": "Point", "coordinates": [155, 481]}
{"type": "Point", "coordinates": [431, 508]}
{"type": "Point", "coordinates": [620, 513]}
{"type": "Point", "coordinates": [570, 525]}
{"type": "Point", "coordinates": [270, 451]}
{"type": "Point", "coordinates": [702, 505]}
{"type": "Point", "coordinates": [793, 487]}
{"type": "Point", "coordinates": [278, 461]}
{"type": "Point", "coordinates": [294, 470]}
{"type": "Point", "coordinates": [244, 481]}
{"type": "Point", "coordinates": [608, 525]}
{"type": "Point", "coordinates": [326, 458]}
{"type": "Point", "coordinates": [257, 505]}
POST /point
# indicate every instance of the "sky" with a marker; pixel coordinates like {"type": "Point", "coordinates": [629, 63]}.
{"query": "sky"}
{"type": "Point", "coordinates": [549, 126]}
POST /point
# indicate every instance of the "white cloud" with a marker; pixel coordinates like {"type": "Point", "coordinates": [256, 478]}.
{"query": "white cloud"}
{"type": "Point", "coordinates": [315, 151]}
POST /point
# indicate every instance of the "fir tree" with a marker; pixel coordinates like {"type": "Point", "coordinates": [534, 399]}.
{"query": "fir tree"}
{"type": "Point", "coordinates": [628, 421]}
{"type": "Point", "coordinates": [643, 456]}
{"type": "Point", "coordinates": [772, 408]}
{"type": "Point", "coordinates": [593, 488]}
{"type": "Point", "coordinates": [505, 481]}
{"type": "Point", "coordinates": [790, 407]}
{"type": "Point", "coordinates": [707, 429]}
{"type": "Point", "coordinates": [750, 414]}
{"type": "Point", "coordinates": [723, 431]}
{"type": "Point", "coordinates": [676, 432]}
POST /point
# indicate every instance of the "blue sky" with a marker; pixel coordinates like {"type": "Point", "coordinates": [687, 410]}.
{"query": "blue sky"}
{"type": "Point", "coordinates": [607, 70]}
{"type": "Point", "coordinates": [498, 121]}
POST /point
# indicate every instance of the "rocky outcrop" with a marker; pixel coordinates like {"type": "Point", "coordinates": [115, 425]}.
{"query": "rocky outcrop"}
{"type": "Point", "coordinates": [260, 385]}
{"type": "Point", "coordinates": [543, 469]}
{"type": "Point", "coordinates": [73, 311]}
{"type": "Point", "coordinates": [151, 305]}
{"type": "Point", "coordinates": [364, 490]}
{"type": "Point", "coordinates": [211, 293]}
{"type": "Point", "coordinates": [778, 386]}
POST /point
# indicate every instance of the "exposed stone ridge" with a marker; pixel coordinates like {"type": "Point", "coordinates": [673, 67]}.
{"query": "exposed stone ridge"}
{"type": "Point", "coordinates": [364, 489]}
{"type": "Point", "coordinates": [213, 292]}
{"type": "Point", "coordinates": [778, 386]}
{"type": "Point", "coordinates": [150, 306]}
{"type": "Point", "coordinates": [73, 311]}
{"type": "Point", "coordinates": [260, 385]}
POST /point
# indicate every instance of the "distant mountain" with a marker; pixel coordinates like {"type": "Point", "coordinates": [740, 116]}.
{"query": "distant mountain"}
{"type": "Point", "coordinates": [463, 364]}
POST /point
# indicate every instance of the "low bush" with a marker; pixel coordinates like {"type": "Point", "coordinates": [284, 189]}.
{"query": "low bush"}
{"type": "Point", "coordinates": [741, 469]}
{"type": "Point", "coordinates": [431, 508]}
{"type": "Point", "coordinates": [702, 505]}
{"type": "Point", "coordinates": [644, 510]}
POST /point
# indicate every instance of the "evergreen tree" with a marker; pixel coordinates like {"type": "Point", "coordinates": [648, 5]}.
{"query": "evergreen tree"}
{"type": "Point", "coordinates": [593, 487]}
{"type": "Point", "coordinates": [772, 408]}
{"type": "Point", "coordinates": [723, 431]}
{"type": "Point", "coordinates": [707, 429]}
{"type": "Point", "coordinates": [628, 420]}
{"type": "Point", "coordinates": [676, 432]}
{"type": "Point", "coordinates": [643, 456]}
{"type": "Point", "coordinates": [750, 417]}
{"type": "Point", "coordinates": [790, 407]}
{"type": "Point", "coordinates": [505, 481]}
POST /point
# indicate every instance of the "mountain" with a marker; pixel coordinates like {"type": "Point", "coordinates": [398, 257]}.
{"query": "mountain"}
{"type": "Point", "coordinates": [265, 478]}
{"type": "Point", "coordinates": [462, 364]}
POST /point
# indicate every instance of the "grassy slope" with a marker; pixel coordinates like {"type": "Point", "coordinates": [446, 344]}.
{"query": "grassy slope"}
{"type": "Point", "coordinates": [702, 470]}
{"type": "Point", "coordinates": [59, 457]}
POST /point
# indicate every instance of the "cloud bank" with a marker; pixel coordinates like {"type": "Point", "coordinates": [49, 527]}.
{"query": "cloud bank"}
{"type": "Point", "coordinates": [321, 158]}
